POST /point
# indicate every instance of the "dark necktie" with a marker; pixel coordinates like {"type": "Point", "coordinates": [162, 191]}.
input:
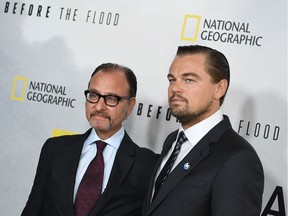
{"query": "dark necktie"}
{"type": "Point", "coordinates": [169, 164]}
{"type": "Point", "coordinates": [90, 187]}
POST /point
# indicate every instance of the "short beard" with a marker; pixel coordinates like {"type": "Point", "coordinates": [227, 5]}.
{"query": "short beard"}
{"type": "Point", "coordinates": [105, 128]}
{"type": "Point", "coordinates": [189, 119]}
{"type": "Point", "coordinates": [98, 125]}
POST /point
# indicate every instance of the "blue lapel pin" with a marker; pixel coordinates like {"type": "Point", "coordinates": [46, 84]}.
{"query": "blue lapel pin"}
{"type": "Point", "coordinates": [186, 166]}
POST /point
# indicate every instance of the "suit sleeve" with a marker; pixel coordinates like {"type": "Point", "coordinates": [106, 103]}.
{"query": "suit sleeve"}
{"type": "Point", "coordinates": [35, 201]}
{"type": "Point", "coordinates": [238, 186]}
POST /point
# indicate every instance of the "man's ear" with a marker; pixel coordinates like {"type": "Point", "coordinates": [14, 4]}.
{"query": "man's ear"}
{"type": "Point", "coordinates": [221, 88]}
{"type": "Point", "coordinates": [132, 103]}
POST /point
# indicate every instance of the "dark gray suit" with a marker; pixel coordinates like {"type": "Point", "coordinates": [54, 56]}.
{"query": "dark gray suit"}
{"type": "Point", "coordinates": [52, 192]}
{"type": "Point", "coordinates": [225, 178]}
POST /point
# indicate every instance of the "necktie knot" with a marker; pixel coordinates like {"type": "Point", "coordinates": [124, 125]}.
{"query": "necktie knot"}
{"type": "Point", "coordinates": [182, 138]}
{"type": "Point", "coordinates": [100, 146]}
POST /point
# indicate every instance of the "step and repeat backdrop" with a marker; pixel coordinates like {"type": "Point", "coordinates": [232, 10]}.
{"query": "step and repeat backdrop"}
{"type": "Point", "coordinates": [49, 48]}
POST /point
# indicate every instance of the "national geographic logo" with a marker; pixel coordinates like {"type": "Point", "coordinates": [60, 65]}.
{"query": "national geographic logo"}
{"type": "Point", "coordinates": [41, 92]}
{"type": "Point", "coordinates": [225, 31]}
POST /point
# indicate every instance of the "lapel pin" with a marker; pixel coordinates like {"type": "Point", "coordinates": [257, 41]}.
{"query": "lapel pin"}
{"type": "Point", "coordinates": [186, 166]}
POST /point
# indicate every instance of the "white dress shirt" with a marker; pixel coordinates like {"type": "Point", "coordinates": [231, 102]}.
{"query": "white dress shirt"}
{"type": "Point", "coordinates": [89, 151]}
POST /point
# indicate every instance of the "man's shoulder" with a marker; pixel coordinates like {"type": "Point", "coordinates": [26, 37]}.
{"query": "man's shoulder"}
{"type": "Point", "coordinates": [145, 151]}
{"type": "Point", "coordinates": [141, 152]}
{"type": "Point", "coordinates": [67, 139]}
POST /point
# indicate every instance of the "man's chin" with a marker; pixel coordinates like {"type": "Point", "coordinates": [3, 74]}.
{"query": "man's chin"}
{"type": "Point", "coordinates": [176, 112]}
{"type": "Point", "coordinates": [101, 128]}
{"type": "Point", "coordinates": [101, 124]}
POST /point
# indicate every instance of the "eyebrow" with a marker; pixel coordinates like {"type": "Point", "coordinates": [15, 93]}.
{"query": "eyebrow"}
{"type": "Point", "coordinates": [186, 74]}
{"type": "Point", "coordinates": [106, 93]}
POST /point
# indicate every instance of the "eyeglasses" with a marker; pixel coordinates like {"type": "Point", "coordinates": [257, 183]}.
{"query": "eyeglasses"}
{"type": "Point", "coordinates": [110, 100]}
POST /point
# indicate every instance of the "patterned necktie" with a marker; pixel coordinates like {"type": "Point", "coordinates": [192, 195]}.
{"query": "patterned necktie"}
{"type": "Point", "coordinates": [90, 187]}
{"type": "Point", "coordinates": [169, 164]}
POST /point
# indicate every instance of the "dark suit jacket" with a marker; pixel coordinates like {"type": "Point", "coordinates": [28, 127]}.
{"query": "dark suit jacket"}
{"type": "Point", "coordinates": [225, 178]}
{"type": "Point", "coordinates": [52, 191]}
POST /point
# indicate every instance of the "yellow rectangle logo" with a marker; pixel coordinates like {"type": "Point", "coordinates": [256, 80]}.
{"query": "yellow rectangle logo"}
{"type": "Point", "coordinates": [19, 88]}
{"type": "Point", "coordinates": [190, 27]}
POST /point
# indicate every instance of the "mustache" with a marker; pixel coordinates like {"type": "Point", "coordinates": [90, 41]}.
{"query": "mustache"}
{"type": "Point", "coordinates": [177, 96]}
{"type": "Point", "coordinates": [100, 114]}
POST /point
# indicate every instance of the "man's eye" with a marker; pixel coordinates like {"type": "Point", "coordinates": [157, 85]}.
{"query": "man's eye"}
{"type": "Point", "coordinates": [111, 98]}
{"type": "Point", "coordinates": [171, 80]}
{"type": "Point", "coordinates": [189, 80]}
{"type": "Point", "coordinates": [93, 95]}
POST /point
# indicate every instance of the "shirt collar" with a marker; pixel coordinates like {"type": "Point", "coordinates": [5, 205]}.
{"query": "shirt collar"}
{"type": "Point", "coordinates": [195, 133]}
{"type": "Point", "coordinates": [114, 141]}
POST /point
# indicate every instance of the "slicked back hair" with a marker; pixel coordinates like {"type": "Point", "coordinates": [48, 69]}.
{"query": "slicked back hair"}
{"type": "Point", "coordinates": [216, 63]}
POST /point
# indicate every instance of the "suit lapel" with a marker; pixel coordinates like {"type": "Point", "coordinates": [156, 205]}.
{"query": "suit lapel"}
{"type": "Point", "coordinates": [194, 157]}
{"type": "Point", "coordinates": [123, 161]}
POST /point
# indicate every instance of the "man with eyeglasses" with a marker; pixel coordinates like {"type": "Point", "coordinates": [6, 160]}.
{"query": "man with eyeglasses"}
{"type": "Point", "coordinates": [102, 172]}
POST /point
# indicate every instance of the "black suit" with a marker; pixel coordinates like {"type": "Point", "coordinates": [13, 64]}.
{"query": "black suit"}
{"type": "Point", "coordinates": [225, 178]}
{"type": "Point", "coordinates": [52, 191]}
